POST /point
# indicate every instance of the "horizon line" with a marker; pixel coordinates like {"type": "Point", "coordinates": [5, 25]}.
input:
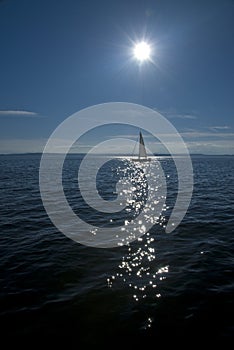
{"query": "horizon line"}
{"type": "Point", "coordinates": [117, 154]}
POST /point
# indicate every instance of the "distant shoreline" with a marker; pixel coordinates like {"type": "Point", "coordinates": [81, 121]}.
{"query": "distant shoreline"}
{"type": "Point", "coordinates": [119, 155]}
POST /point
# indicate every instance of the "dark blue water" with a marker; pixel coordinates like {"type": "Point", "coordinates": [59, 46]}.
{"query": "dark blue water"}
{"type": "Point", "coordinates": [53, 288]}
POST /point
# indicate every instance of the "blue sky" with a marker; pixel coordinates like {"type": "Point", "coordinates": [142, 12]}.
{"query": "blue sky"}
{"type": "Point", "coordinates": [60, 56]}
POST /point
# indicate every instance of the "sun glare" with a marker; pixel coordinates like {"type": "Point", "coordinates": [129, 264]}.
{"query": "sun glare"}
{"type": "Point", "coordinates": [142, 51]}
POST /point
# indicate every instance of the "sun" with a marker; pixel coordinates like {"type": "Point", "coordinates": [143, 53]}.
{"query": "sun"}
{"type": "Point", "coordinates": [142, 51]}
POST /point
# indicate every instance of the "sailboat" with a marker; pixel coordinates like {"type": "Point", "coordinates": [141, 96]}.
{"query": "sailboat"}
{"type": "Point", "coordinates": [142, 155]}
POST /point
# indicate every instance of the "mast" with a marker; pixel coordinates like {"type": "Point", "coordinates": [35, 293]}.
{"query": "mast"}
{"type": "Point", "coordinates": [142, 150]}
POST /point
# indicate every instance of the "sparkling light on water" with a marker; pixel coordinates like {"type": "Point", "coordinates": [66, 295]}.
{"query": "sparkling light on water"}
{"type": "Point", "coordinates": [138, 268]}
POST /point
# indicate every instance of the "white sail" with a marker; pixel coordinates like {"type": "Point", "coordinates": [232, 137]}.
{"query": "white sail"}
{"type": "Point", "coordinates": [142, 150]}
{"type": "Point", "coordinates": [142, 155]}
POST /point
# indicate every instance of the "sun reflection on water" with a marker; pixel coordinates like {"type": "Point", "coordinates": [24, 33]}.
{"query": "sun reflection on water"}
{"type": "Point", "coordinates": [139, 269]}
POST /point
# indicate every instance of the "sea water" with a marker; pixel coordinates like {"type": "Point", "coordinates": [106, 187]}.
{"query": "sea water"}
{"type": "Point", "coordinates": [161, 288]}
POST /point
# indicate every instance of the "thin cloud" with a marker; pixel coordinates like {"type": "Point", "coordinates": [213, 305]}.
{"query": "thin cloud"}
{"type": "Point", "coordinates": [182, 116]}
{"type": "Point", "coordinates": [171, 113]}
{"type": "Point", "coordinates": [217, 128]}
{"type": "Point", "coordinates": [217, 147]}
{"type": "Point", "coordinates": [128, 136]}
{"type": "Point", "coordinates": [22, 146]}
{"type": "Point", "coordinates": [21, 113]}
{"type": "Point", "coordinates": [202, 134]}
